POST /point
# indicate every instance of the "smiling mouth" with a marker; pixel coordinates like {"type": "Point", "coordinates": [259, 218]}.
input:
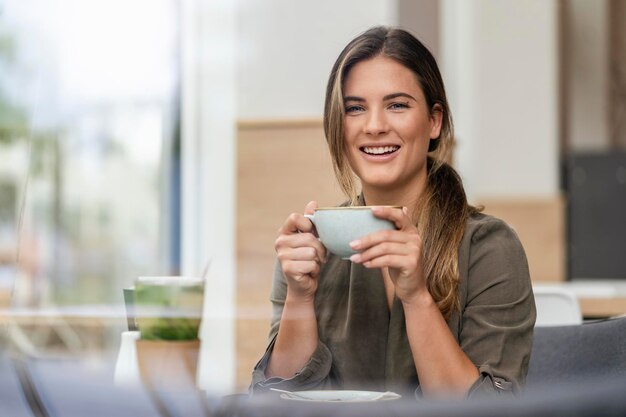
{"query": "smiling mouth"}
{"type": "Point", "coordinates": [379, 150]}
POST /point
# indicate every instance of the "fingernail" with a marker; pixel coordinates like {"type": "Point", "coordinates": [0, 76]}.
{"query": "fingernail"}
{"type": "Point", "coordinates": [355, 244]}
{"type": "Point", "coordinates": [355, 258]}
{"type": "Point", "coordinates": [376, 208]}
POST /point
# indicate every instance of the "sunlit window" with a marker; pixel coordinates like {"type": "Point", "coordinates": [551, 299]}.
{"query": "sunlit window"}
{"type": "Point", "coordinates": [88, 148]}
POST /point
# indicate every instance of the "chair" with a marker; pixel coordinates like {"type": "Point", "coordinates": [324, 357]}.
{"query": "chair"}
{"type": "Point", "coordinates": [556, 306]}
{"type": "Point", "coordinates": [571, 354]}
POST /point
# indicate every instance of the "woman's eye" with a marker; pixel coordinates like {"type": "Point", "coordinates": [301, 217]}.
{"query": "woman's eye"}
{"type": "Point", "coordinates": [398, 106]}
{"type": "Point", "coordinates": [353, 109]}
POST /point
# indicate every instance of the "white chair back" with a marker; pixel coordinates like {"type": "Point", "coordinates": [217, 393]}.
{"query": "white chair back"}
{"type": "Point", "coordinates": [556, 306]}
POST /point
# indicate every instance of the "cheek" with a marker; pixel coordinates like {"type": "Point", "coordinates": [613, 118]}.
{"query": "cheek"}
{"type": "Point", "coordinates": [349, 132]}
{"type": "Point", "coordinates": [351, 157]}
{"type": "Point", "coordinates": [350, 154]}
{"type": "Point", "coordinates": [348, 150]}
{"type": "Point", "coordinates": [415, 131]}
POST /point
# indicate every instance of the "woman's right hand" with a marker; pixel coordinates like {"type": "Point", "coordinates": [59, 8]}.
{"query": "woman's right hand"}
{"type": "Point", "coordinates": [300, 254]}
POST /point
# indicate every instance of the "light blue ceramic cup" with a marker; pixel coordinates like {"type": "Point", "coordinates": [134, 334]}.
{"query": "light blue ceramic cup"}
{"type": "Point", "coordinates": [338, 226]}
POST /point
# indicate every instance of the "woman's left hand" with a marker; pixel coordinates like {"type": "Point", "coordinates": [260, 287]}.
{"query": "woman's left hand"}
{"type": "Point", "coordinates": [400, 251]}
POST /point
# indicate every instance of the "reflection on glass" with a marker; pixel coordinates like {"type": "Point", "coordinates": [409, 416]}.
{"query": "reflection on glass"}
{"type": "Point", "coordinates": [88, 109]}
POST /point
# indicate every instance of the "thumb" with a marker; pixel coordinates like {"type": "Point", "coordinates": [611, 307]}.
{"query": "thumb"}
{"type": "Point", "coordinates": [310, 207]}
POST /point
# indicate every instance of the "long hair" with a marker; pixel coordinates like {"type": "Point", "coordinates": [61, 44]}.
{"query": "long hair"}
{"type": "Point", "coordinates": [442, 207]}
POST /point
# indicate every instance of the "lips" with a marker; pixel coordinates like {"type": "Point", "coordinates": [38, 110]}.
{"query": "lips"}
{"type": "Point", "coordinates": [379, 150]}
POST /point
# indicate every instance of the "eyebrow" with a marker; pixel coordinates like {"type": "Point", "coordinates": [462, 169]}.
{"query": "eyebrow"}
{"type": "Point", "coordinates": [387, 97]}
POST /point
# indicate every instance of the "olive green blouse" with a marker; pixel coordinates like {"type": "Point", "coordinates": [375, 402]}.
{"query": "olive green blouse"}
{"type": "Point", "coordinates": [363, 344]}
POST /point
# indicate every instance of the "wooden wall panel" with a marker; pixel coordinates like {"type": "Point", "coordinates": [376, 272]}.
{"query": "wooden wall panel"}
{"type": "Point", "coordinates": [540, 225]}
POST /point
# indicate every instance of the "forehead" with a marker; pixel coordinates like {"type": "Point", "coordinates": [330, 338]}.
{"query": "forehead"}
{"type": "Point", "coordinates": [379, 74]}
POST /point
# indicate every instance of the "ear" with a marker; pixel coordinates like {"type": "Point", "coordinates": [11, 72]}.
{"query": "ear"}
{"type": "Point", "coordinates": [436, 119]}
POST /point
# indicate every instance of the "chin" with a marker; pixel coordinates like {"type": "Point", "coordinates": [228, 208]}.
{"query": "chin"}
{"type": "Point", "coordinates": [385, 184]}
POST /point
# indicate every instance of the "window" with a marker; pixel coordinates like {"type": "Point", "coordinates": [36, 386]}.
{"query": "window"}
{"type": "Point", "coordinates": [89, 144]}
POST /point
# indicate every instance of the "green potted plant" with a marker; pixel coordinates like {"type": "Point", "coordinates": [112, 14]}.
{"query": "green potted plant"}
{"type": "Point", "coordinates": [168, 312]}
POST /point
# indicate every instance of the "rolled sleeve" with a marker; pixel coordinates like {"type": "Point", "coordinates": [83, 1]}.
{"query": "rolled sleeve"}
{"type": "Point", "coordinates": [488, 385]}
{"type": "Point", "coordinates": [313, 375]}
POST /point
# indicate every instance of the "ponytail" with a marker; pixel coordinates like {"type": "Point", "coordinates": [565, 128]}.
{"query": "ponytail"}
{"type": "Point", "coordinates": [443, 213]}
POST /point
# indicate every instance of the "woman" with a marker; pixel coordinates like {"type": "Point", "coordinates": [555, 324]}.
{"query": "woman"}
{"type": "Point", "coordinates": [444, 304]}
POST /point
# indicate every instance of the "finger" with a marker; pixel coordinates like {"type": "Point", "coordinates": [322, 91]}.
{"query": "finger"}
{"type": "Point", "coordinates": [385, 248]}
{"type": "Point", "coordinates": [296, 223]}
{"type": "Point", "coordinates": [297, 269]}
{"type": "Point", "coordinates": [396, 215]}
{"type": "Point", "coordinates": [381, 236]}
{"type": "Point", "coordinates": [390, 261]}
{"type": "Point", "coordinates": [297, 240]}
{"type": "Point", "coordinates": [310, 207]}
{"type": "Point", "coordinates": [300, 240]}
{"type": "Point", "coordinates": [307, 253]}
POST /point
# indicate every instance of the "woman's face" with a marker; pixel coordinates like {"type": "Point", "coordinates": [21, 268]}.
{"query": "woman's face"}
{"type": "Point", "coordinates": [387, 125]}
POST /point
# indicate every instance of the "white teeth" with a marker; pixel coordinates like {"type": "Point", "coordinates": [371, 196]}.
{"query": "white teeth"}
{"type": "Point", "coordinates": [379, 150]}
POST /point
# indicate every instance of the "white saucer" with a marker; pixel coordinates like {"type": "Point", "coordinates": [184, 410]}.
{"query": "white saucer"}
{"type": "Point", "coordinates": [340, 396]}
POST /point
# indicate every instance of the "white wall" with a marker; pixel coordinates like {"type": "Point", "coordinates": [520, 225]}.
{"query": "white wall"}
{"type": "Point", "coordinates": [287, 49]}
{"type": "Point", "coordinates": [421, 18]}
{"type": "Point", "coordinates": [500, 62]}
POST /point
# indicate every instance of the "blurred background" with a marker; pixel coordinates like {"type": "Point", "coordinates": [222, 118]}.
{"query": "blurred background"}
{"type": "Point", "coordinates": [153, 137]}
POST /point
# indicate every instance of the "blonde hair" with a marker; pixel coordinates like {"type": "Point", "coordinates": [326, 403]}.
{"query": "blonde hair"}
{"type": "Point", "coordinates": [442, 207]}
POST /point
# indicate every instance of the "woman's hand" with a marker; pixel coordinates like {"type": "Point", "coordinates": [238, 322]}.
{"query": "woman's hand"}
{"type": "Point", "coordinates": [300, 253]}
{"type": "Point", "coordinates": [398, 251]}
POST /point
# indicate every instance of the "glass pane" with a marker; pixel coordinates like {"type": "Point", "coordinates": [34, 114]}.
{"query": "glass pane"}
{"type": "Point", "coordinates": [88, 127]}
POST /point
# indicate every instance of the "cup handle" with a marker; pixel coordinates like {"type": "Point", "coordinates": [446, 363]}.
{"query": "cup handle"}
{"type": "Point", "coordinates": [312, 218]}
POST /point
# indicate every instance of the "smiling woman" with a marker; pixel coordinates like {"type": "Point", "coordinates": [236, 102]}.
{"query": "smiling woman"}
{"type": "Point", "coordinates": [442, 305]}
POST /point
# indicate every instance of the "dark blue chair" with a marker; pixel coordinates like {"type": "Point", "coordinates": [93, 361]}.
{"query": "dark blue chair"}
{"type": "Point", "coordinates": [571, 354]}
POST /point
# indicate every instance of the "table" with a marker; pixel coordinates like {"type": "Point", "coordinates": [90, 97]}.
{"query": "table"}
{"type": "Point", "coordinates": [73, 388]}
{"type": "Point", "coordinates": [598, 298]}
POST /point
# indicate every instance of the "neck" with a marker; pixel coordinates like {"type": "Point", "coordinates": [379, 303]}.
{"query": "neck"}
{"type": "Point", "coordinates": [406, 196]}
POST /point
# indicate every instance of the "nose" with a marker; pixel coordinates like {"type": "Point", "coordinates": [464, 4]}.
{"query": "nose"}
{"type": "Point", "coordinates": [376, 123]}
